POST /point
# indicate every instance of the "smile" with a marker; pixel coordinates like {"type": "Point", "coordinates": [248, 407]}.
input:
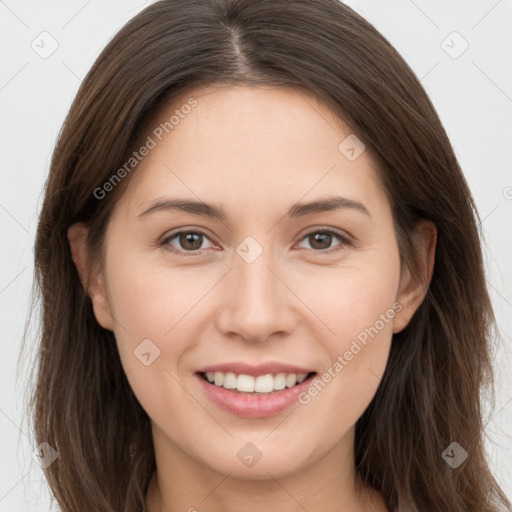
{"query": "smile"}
{"type": "Point", "coordinates": [238, 393]}
{"type": "Point", "coordinates": [261, 384]}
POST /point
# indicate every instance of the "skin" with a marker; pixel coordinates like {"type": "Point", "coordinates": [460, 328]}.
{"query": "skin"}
{"type": "Point", "coordinates": [255, 152]}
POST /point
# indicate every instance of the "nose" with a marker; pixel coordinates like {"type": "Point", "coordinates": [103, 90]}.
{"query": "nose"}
{"type": "Point", "coordinates": [257, 302]}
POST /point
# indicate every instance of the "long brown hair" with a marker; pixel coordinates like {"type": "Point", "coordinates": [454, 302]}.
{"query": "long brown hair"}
{"type": "Point", "coordinates": [82, 404]}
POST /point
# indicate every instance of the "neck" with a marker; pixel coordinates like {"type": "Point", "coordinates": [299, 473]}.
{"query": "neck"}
{"type": "Point", "coordinates": [182, 483]}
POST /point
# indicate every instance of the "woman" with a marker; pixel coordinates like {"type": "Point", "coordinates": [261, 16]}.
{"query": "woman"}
{"type": "Point", "coordinates": [261, 275]}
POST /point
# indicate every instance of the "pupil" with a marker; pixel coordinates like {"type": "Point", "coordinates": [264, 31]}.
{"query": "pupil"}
{"type": "Point", "coordinates": [193, 238]}
{"type": "Point", "coordinates": [321, 237]}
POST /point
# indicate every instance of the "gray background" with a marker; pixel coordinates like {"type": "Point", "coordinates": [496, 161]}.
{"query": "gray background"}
{"type": "Point", "coordinates": [471, 90]}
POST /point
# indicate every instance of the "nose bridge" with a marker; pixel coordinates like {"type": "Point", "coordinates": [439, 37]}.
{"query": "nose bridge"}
{"type": "Point", "coordinates": [257, 303]}
{"type": "Point", "coordinates": [256, 284]}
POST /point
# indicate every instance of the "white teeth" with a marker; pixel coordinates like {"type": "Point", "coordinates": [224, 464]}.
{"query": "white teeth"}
{"type": "Point", "coordinates": [301, 377]}
{"type": "Point", "coordinates": [245, 383]}
{"type": "Point", "coordinates": [264, 384]}
{"type": "Point", "coordinates": [280, 381]}
{"type": "Point", "coordinates": [291, 380]}
{"type": "Point", "coordinates": [260, 384]}
{"type": "Point", "coordinates": [230, 380]}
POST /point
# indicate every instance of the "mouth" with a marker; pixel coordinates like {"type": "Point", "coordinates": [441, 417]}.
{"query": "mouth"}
{"type": "Point", "coordinates": [257, 396]}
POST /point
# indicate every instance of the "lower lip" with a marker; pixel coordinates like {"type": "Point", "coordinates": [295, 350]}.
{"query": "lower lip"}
{"type": "Point", "coordinates": [252, 405]}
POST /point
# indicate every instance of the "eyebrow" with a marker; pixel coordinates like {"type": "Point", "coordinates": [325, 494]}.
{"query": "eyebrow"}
{"type": "Point", "coordinates": [297, 210]}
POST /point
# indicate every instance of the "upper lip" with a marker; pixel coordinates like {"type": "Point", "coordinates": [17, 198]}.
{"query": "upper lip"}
{"type": "Point", "coordinates": [239, 367]}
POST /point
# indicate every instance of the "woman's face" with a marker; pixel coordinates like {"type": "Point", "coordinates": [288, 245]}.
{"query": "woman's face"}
{"type": "Point", "coordinates": [268, 280]}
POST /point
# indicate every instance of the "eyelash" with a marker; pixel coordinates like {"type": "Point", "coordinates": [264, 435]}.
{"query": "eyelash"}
{"type": "Point", "coordinates": [345, 241]}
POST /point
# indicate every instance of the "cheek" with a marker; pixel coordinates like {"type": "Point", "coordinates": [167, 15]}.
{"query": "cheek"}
{"type": "Point", "coordinates": [353, 296]}
{"type": "Point", "coordinates": [359, 311]}
{"type": "Point", "coordinates": [363, 301]}
{"type": "Point", "coordinates": [152, 329]}
{"type": "Point", "coordinates": [147, 296]}
{"type": "Point", "coordinates": [150, 303]}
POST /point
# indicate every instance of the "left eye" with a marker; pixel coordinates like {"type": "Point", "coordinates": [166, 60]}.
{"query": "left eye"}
{"type": "Point", "coordinates": [322, 239]}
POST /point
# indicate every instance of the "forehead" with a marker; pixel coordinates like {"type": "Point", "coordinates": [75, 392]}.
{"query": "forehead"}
{"type": "Point", "coordinates": [250, 143]}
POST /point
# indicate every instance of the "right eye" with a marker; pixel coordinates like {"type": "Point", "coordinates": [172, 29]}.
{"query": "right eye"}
{"type": "Point", "coordinates": [191, 242]}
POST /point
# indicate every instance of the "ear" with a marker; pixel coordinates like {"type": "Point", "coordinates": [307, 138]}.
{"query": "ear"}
{"type": "Point", "coordinates": [91, 281]}
{"type": "Point", "coordinates": [412, 292]}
